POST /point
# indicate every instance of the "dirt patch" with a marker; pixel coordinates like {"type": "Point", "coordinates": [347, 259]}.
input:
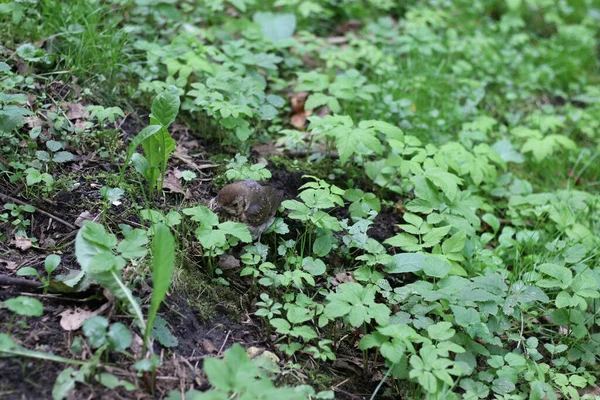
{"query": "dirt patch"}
{"type": "Point", "coordinates": [384, 225]}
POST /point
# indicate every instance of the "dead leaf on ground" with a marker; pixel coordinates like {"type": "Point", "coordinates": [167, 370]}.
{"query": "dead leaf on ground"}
{"type": "Point", "coordinates": [84, 216]}
{"type": "Point", "coordinates": [173, 184]}
{"type": "Point", "coordinates": [73, 319]}
{"type": "Point", "coordinates": [11, 265]}
{"type": "Point", "coordinates": [342, 277]}
{"type": "Point", "coordinates": [76, 111]}
{"type": "Point", "coordinates": [209, 347]}
{"type": "Point", "coordinates": [21, 243]}
{"type": "Point", "coordinates": [137, 345]}
{"type": "Point", "coordinates": [33, 121]}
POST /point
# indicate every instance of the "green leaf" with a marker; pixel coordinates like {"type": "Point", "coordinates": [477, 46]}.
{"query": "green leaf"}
{"type": "Point", "coordinates": [441, 331]}
{"type": "Point", "coordinates": [51, 263]}
{"type": "Point", "coordinates": [209, 238]}
{"type": "Point", "coordinates": [454, 244]}
{"type": "Point", "coordinates": [28, 271]}
{"type": "Point", "coordinates": [133, 246]}
{"type": "Point", "coordinates": [322, 245]}
{"type": "Point", "coordinates": [112, 382]}
{"type": "Point", "coordinates": [163, 260]}
{"type": "Point", "coordinates": [165, 106]}
{"type": "Point", "coordinates": [24, 305]}
{"type": "Point", "coordinates": [62, 157]}
{"type": "Point", "coordinates": [393, 351]}
{"type": "Point", "coordinates": [65, 382]}
{"type": "Point", "coordinates": [435, 235]}
{"type": "Point", "coordinates": [103, 261]}
{"type": "Point", "coordinates": [119, 336]}
{"type": "Point", "coordinates": [348, 140]}
{"type": "Point", "coordinates": [446, 181]}
{"type": "Point", "coordinates": [237, 230]}
{"type": "Point", "coordinates": [315, 267]}
{"type": "Point", "coordinates": [12, 117]}
{"type": "Point", "coordinates": [275, 26]}
{"type": "Point", "coordinates": [144, 134]}
{"type": "Point", "coordinates": [96, 234]}
{"type": "Point", "coordinates": [563, 277]}
{"type": "Point", "coordinates": [305, 332]}
{"type": "Point", "coordinates": [203, 215]}
{"type": "Point", "coordinates": [405, 241]}
{"type": "Point", "coordinates": [406, 262]}
{"type": "Point", "coordinates": [163, 334]}
{"type": "Point", "coordinates": [435, 267]}
{"type": "Point", "coordinates": [507, 152]}
{"type": "Point", "coordinates": [94, 329]}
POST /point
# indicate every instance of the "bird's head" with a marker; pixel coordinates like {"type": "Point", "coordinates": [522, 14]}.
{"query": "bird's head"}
{"type": "Point", "coordinates": [231, 199]}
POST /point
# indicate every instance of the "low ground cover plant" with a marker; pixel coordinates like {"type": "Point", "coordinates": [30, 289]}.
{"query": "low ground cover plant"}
{"type": "Point", "coordinates": [440, 227]}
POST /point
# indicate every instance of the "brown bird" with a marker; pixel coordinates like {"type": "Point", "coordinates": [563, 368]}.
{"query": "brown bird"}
{"type": "Point", "coordinates": [250, 203]}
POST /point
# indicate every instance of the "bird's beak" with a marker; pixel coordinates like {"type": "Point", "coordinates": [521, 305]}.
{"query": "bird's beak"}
{"type": "Point", "coordinates": [216, 207]}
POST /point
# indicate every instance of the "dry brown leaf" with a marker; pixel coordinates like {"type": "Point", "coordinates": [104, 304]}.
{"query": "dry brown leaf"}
{"type": "Point", "coordinates": [137, 344]}
{"type": "Point", "coordinates": [21, 243]}
{"type": "Point", "coordinates": [73, 319]}
{"type": "Point", "coordinates": [209, 347]}
{"type": "Point", "coordinates": [11, 265]}
{"type": "Point", "coordinates": [84, 216]}
{"type": "Point", "coordinates": [173, 184]}
{"type": "Point", "coordinates": [33, 122]}
{"type": "Point", "coordinates": [76, 111]}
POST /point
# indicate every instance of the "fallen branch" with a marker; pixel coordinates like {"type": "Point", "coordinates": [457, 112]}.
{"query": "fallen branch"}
{"type": "Point", "coordinates": [9, 280]}
{"type": "Point", "coordinates": [5, 197]}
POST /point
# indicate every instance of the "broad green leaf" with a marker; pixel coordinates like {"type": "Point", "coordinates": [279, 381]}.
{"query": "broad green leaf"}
{"type": "Point", "coordinates": [435, 235]}
{"type": "Point", "coordinates": [275, 26]}
{"type": "Point", "coordinates": [203, 215]}
{"type": "Point", "coordinates": [162, 333]}
{"type": "Point", "coordinates": [435, 267]}
{"type": "Point", "coordinates": [441, 331]}
{"type": "Point", "coordinates": [406, 262]}
{"type": "Point", "coordinates": [165, 106]}
{"type": "Point", "coordinates": [133, 246]}
{"type": "Point", "coordinates": [315, 267]}
{"type": "Point", "coordinates": [446, 181]}
{"type": "Point", "coordinates": [237, 230]}
{"type": "Point", "coordinates": [163, 260]}
{"type": "Point", "coordinates": [563, 277]}
{"type": "Point", "coordinates": [24, 305]}
{"type": "Point", "coordinates": [119, 336]}
{"type": "Point", "coordinates": [455, 243]}
{"type": "Point", "coordinates": [94, 329]}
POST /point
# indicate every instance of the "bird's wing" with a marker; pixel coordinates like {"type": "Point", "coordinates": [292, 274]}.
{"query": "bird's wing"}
{"type": "Point", "coordinates": [252, 184]}
{"type": "Point", "coordinates": [254, 212]}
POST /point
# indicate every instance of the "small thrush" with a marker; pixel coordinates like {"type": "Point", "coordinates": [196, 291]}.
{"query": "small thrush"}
{"type": "Point", "coordinates": [250, 203]}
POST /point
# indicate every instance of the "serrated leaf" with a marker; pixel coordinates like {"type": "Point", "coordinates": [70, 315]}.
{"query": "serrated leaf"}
{"type": "Point", "coordinates": [237, 230]}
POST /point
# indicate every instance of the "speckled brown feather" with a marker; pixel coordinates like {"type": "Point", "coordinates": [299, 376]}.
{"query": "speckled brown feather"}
{"type": "Point", "coordinates": [250, 203]}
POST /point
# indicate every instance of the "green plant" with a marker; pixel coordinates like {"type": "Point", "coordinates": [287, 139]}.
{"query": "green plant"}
{"type": "Point", "coordinates": [50, 264]}
{"type": "Point", "coordinates": [20, 221]}
{"type": "Point", "coordinates": [214, 236]}
{"type": "Point", "coordinates": [238, 170]}
{"type": "Point", "coordinates": [236, 376]}
{"type": "Point", "coordinates": [155, 140]}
